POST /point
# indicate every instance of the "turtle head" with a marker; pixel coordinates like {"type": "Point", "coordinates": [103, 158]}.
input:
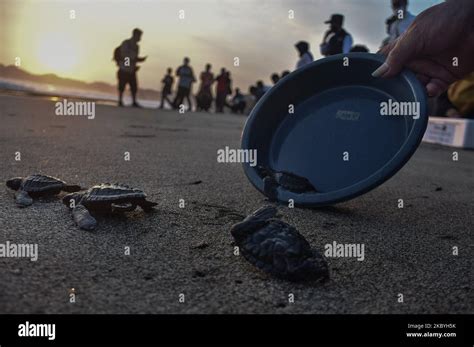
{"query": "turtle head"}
{"type": "Point", "coordinates": [72, 200]}
{"type": "Point", "coordinates": [14, 183]}
{"type": "Point", "coordinates": [253, 222]}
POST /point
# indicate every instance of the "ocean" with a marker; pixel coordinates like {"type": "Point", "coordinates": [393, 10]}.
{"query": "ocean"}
{"type": "Point", "coordinates": [49, 90]}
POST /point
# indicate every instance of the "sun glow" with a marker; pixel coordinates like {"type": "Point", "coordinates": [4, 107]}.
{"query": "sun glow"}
{"type": "Point", "coordinates": [58, 52]}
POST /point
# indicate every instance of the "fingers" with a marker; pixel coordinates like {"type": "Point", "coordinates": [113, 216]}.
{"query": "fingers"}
{"type": "Point", "coordinates": [435, 87]}
{"type": "Point", "coordinates": [398, 55]}
{"type": "Point", "coordinates": [385, 50]}
{"type": "Point", "coordinates": [432, 69]}
{"type": "Point", "coordinates": [434, 76]}
{"type": "Point", "coordinates": [423, 78]}
{"type": "Point", "coordinates": [400, 52]}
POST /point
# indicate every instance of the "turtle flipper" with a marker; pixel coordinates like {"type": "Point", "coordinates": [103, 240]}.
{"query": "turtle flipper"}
{"type": "Point", "coordinates": [119, 208]}
{"type": "Point", "coordinates": [270, 186]}
{"type": "Point", "coordinates": [71, 188]}
{"type": "Point", "coordinates": [146, 205]}
{"type": "Point", "coordinates": [22, 198]}
{"type": "Point", "coordinates": [83, 218]}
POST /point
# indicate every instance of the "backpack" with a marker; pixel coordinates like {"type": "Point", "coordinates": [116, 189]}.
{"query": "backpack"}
{"type": "Point", "coordinates": [117, 55]}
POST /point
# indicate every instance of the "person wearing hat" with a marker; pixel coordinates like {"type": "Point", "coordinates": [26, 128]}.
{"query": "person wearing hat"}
{"type": "Point", "coordinates": [336, 40]}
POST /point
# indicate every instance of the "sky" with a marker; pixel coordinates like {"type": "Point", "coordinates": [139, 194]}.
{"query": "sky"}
{"type": "Point", "coordinates": [260, 33]}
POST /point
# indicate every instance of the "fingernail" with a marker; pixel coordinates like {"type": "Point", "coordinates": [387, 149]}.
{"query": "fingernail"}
{"type": "Point", "coordinates": [381, 70]}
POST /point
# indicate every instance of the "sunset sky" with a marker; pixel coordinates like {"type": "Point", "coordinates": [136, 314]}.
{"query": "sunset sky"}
{"type": "Point", "coordinates": [259, 32]}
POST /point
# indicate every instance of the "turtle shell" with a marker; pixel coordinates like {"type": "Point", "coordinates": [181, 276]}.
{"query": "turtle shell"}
{"type": "Point", "coordinates": [112, 193]}
{"type": "Point", "coordinates": [41, 184]}
{"type": "Point", "coordinates": [278, 248]}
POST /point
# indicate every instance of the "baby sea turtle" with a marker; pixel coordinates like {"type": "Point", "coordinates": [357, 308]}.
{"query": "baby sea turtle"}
{"type": "Point", "coordinates": [35, 186]}
{"type": "Point", "coordinates": [277, 247]}
{"type": "Point", "coordinates": [105, 198]}
{"type": "Point", "coordinates": [286, 180]}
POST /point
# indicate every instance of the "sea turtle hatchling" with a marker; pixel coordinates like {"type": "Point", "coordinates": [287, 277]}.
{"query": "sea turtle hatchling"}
{"type": "Point", "coordinates": [105, 198]}
{"type": "Point", "coordinates": [291, 182]}
{"type": "Point", "coordinates": [35, 186]}
{"type": "Point", "coordinates": [277, 247]}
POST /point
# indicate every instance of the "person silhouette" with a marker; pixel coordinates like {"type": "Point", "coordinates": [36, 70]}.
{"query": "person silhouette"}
{"type": "Point", "coordinates": [336, 40]}
{"type": "Point", "coordinates": [399, 22]}
{"type": "Point", "coordinates": [305, 55]}
{"type": "Point", "coordinates": [127, 57]}
{"type": "Point", "coordinates": [223, 89]}
{"type": "Point", "coordinates": [275, 78]}
{"type": "Point", "coordinates": [238, 102]}
{"type": "Point", "coordinates": [204, 96]}
{"type": "Point", "coordinates": [186, 79]}
{"type": "Point", "coordinates": [167, 85]}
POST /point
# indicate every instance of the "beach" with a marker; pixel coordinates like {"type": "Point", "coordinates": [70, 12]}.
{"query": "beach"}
{"type": "Point", "coordinates": [189, 250]}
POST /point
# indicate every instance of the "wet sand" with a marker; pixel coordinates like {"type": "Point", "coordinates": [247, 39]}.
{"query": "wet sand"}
{"type": "Point", "coordinates": [189, 250]}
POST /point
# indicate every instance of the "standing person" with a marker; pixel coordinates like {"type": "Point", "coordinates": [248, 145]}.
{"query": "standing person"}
{"type": "Point", "coordinates": [305, 55]}
{"type": "Point", "coordinates": [204, 96]}
{"type": "Point", "coordinates": [186, 79]}
{"type": "Point", "coordinates": [336, 40]}
{"type": "Point", "coordinates": [399, 22]}
{"type": "Point", "coordinates": [222, 90]}
{"type": "Point", "coordinates": [229, 84]}
{"type": "Point", "coordinates": [127, 57]}
{"type": "Point", "coordinates": [229, 89]}
{"type": "Point", "coordinates": [167, 85]}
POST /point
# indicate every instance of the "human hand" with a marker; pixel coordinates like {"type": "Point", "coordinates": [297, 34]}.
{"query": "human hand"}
{"type": "Point", "coordinates": [438, 38]}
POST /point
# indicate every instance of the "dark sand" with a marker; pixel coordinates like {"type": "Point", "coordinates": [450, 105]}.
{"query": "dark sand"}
{"type": "Point", "coordinates": [190, 250]}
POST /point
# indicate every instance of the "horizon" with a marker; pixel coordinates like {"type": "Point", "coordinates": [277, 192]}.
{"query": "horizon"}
{"type": "Point", "coordinates": [48, 41]}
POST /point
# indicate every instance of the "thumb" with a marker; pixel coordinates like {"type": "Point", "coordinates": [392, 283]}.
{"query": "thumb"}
{"type": "Point", "coordinates": [403, 51]}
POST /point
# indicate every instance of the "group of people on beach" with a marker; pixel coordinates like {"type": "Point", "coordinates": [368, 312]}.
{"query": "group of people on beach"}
{"type": "Point", "coordinates": [336, 40]}
{"type": "Point", "coordinates": [204, 97]}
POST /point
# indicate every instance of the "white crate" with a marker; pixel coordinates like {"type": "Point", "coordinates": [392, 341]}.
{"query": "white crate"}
{"type": "Point", "coordinates": [455, 132]}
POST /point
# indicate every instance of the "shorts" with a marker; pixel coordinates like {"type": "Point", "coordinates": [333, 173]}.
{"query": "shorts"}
{"type": "Point", "coordinates": [124, 78]}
